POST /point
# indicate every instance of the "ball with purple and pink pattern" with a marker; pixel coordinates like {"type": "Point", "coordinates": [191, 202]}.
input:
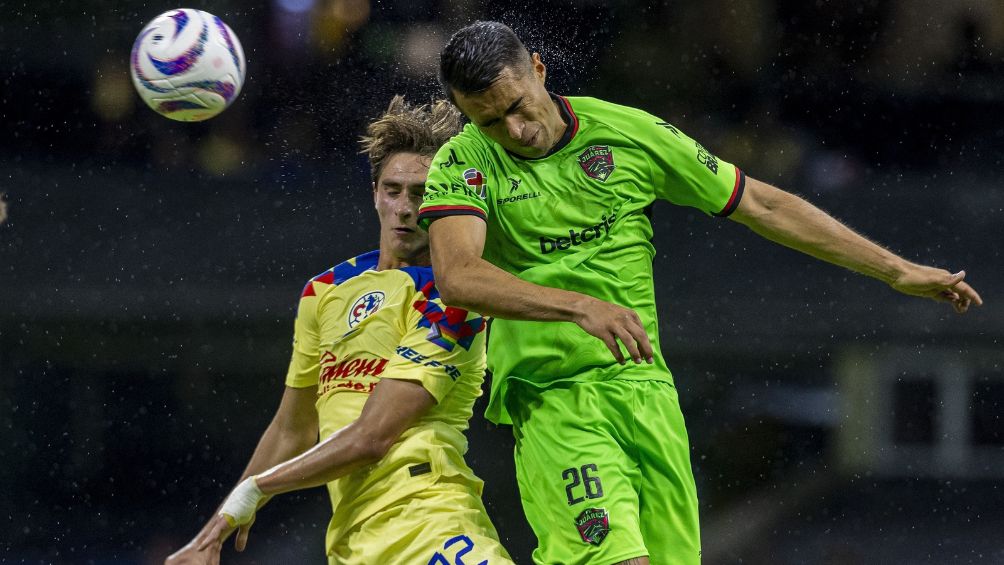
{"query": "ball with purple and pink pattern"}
{"type": "Point", "coordinates": [187, 65]}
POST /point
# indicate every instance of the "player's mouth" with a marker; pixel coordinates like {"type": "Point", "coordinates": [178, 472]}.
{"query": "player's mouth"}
{"type": "Point", "coordinates": [532, 142]}
{"type": "Point", "coordinates": [403, 231]}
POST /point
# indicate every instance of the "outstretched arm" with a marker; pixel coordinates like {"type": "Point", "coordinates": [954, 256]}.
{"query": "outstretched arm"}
{"type": "Point", "coordinates": [465, 280]}
{"type": "Point", "coordinates": [789, 220]}
{"type": "Point", "coordinates": [394, 406]}
{"type": "Point", "coordinates": [292, 431]}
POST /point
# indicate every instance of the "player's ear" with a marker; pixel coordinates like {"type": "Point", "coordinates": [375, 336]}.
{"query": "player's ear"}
{"type": "Point", "coordinates": [539, 69]}
{"type": "Point", "coordinates": [374, 194]}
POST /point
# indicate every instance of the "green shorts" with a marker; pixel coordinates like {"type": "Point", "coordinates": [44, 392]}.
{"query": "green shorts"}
{"type": "Point", "coordinates": [604, 472]}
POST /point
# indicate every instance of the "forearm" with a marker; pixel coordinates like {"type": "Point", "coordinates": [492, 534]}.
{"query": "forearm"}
{"type": "Point", "coordinates": [281, 441]}
{"type": "Point", "coordinates": [482, 287]}
{"type": "Point", "coordinates": [791, 221]}
{"type": "Point", "coordinates": [343, 452]}
{"type": "Point", "coordinates": [276, 445]}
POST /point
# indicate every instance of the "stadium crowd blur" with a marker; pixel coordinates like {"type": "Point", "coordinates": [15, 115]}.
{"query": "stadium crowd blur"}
{"type": "Point", "coordinates": [149, 270]}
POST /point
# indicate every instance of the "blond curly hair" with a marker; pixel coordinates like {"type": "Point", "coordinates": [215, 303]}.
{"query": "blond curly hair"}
{"type": "Point", "coordinates": [407, 128]}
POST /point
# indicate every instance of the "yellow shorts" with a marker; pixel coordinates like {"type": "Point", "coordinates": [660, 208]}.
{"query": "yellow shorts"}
{"type": "Point", "coordinates": [444, 525]}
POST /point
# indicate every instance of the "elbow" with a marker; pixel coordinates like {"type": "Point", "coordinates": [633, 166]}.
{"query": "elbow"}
{"type": "Point", "coordinates": [447, 291]}
{"type": "Point", "coordinates": [370, 446]}
{"type": "Point", "coordinates": [451, 290]}
{"type": "Point", "coordinates": [759, 203]}
{"type": "Point", "coordinates": [306, 437]}
{"type": "Point", "coordinates": [295, 437]}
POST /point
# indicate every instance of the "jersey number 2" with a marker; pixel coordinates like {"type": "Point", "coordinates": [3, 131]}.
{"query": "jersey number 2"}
{"type": "Point", "coordinates": [439, 559]}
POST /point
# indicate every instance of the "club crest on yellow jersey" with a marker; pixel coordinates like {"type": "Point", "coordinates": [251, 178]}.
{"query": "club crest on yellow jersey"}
{"type": "Point", "coordinates": [362, 308]}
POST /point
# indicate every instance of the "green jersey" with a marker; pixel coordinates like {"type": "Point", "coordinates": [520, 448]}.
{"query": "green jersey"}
{"type": "Point", "coordinates": [576, 219]}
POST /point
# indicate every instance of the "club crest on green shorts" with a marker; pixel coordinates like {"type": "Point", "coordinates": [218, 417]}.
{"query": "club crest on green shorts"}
{"type": "Point", "coordinates": [593, 525]}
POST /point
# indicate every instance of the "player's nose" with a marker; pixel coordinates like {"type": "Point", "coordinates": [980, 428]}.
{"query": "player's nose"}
{"type": "Point", "coordinates": [514, 126]}
{"type": "Point", "coordinates": [405, 209]}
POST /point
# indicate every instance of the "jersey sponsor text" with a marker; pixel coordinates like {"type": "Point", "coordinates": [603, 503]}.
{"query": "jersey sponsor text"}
{"type": "Point", "coordinates": [348, 373]}
{"type": "Point", "coordinates": [576, 238]}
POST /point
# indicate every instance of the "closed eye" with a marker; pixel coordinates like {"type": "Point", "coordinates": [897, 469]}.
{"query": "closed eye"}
{"type": "Point", "coordinates": [512, 108]}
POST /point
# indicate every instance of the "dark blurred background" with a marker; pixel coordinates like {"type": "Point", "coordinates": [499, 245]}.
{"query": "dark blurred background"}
{"type": "Point", "coordinates": [149, 270]}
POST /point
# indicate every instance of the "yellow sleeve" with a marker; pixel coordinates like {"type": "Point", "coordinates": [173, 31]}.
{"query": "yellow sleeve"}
{"type": "Point", "coordinates": [439, 344]}
{"type": "Point", "coordinates": [304, 366]}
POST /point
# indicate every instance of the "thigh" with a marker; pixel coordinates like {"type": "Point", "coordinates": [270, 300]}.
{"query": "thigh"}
{"type": "Point", "coordinates": [669, 516]}
{"type": "Point", "coordinates": [446, 526]}
{"type": "Point", "coordinates": [578, 483]}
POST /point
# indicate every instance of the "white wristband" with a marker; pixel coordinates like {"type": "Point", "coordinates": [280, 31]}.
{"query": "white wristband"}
{"type": "Point", "coordinates": [240, 506]}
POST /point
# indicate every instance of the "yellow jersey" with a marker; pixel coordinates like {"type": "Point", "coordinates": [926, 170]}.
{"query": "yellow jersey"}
{"type": "Point", "coordinates": [356, 326]}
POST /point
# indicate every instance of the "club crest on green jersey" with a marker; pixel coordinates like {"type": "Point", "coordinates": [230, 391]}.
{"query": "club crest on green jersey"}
{"type": "Point", "coordinates": [597, 161]}
{"type": "Point", "coordinates": [593, 525]}
{"type": "Point", "coordinates": [476, 180]}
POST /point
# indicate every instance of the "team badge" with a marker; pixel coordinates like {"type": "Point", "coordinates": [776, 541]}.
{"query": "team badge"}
{"type": "Point", "coordinates": [597, 161]}
{"type": "Point", "coordinates": [476, 180]}
{"type": "Point", "coordinates": [366, 305]}
{"type": "Point", "coordinates": [593, 525]}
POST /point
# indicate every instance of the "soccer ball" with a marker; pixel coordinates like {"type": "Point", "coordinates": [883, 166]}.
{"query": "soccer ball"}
{"type": "Point", "coordinates": [187, 65]}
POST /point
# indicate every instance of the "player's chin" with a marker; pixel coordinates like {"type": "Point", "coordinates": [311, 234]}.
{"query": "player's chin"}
{"type": "Point", "coordinates": [529, 152]}
{"type": "Point", "coordinates": [411, 246]}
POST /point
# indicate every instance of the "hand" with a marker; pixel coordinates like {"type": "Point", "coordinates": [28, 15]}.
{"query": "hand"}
{"type": "Point", "coordinates": [610, 323]}
{"type": "Point", "coordinates": [192, 555]}
{"type": "Point", "coordinates": [238, 512]}
{"type": "Point", "coordinates": [216, 532]}
{"type": "Point", "coordinates": [940, 285]}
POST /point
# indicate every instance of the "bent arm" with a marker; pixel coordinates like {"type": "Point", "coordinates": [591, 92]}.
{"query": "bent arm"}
{"type": "Point", "coordinates": [789, 220]}
{"type": "Point", "coordinates": [292, 431]}
{"type": "Point", "coordinates": [394, 406]}
{"type": "Point", "coordinates": [466, 280]}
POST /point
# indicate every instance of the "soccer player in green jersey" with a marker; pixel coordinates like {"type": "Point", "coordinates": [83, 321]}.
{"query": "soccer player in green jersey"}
{"type": "Point", "coordinates": [537, 215]}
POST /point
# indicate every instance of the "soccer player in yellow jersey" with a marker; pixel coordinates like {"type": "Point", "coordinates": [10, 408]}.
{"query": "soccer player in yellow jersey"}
{"type": "Point", "coordinates": [387, 376]}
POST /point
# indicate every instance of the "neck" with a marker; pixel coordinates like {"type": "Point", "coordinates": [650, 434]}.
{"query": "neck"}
{"type": "Point", "coordinates": [388, 260]}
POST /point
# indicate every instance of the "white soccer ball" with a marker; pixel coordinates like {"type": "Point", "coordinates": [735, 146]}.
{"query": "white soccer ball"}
{"type": "Point", "coordinates": [187, 65]}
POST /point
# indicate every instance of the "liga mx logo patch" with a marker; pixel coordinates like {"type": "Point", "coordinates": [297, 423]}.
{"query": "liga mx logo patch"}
{"type": "Point", "coordinates": [366, 305]}
{"type": "Point", "coordinates": [597, 161]}
{"type": "Point", "coordinates": [593, 525]}
{"type": "Point", "coordinates": [476, 180]}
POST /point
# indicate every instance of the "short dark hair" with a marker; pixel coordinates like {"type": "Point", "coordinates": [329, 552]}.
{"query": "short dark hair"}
{"type": "Point", "coordinates": [409, 129]}
{"type": "Point", "coordinates": [476, 55]}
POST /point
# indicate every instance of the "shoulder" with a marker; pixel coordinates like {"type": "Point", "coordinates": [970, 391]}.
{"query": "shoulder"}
{"type": "Point", "coordinates": [423, 280]}
{"type": "Point", "coordinates": [342, 272]}
{"type": "Point", "coordinates": [601, 111]}
{"type": "Point", "coordinates": [469, 141]}
{"type": "Point", "coordinates": [458, 324]}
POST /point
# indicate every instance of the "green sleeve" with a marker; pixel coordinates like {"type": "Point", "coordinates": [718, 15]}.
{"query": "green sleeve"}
{"type": "Point", "coordinates": [456, 185]}
{"type": "Point", "coordinates": [686, 173]}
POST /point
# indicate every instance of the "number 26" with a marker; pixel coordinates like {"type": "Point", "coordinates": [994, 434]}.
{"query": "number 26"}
{"type": "Point", "coordinates": [593, 486]}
